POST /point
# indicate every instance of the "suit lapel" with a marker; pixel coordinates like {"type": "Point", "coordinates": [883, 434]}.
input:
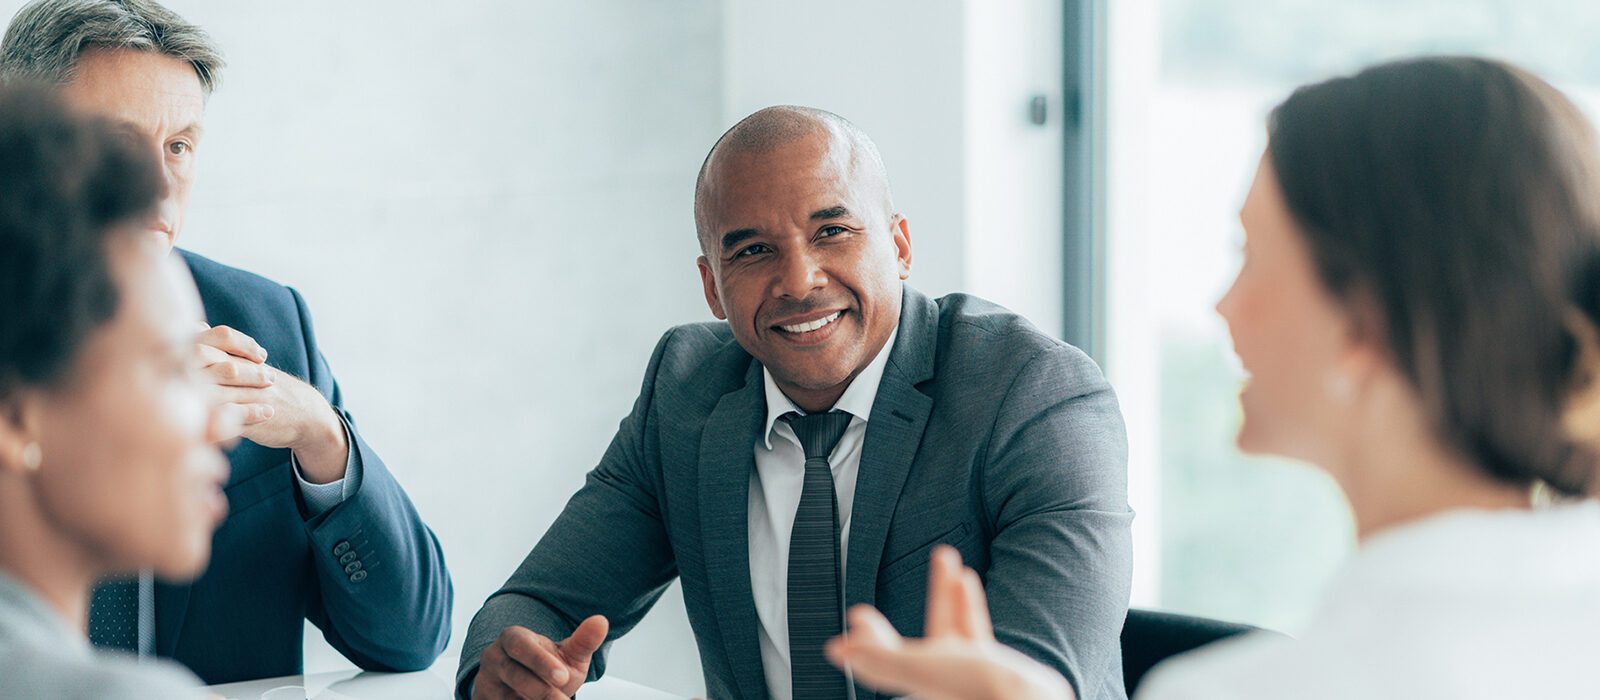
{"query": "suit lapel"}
{"type": "Point", "coordinates": [899, 416]}
{"type": "Point", "coordinates": [727, 458]}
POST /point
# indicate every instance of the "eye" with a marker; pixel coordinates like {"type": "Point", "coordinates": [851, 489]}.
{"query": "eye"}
{"type": "Point", "coordinates": [829, 231]}
{"type": "Point", "coordinates": [179, 148]}
{"type": "Point", "coordinates": [752, 250]}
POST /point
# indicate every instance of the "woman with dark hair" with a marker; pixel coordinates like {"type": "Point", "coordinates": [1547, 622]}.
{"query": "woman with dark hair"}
{"type": "Point", "coordinates": [106, 424]}
{"type": "Point", "coordinates": [1417, 312]}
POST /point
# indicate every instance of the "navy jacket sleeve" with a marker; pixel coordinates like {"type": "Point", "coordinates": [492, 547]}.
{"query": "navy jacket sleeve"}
{"type": "Point", "coordinates": [383, 597]}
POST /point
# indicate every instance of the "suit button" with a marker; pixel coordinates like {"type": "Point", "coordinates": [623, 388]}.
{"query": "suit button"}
{"type": "Point", "coordinates": [347, 558]}
{"type": "Point", "coordinates": [358, 577]}
{"type": "Point", "coordinates": [341, 548]}
{"type": "Point", "coordinates": [352, 567]}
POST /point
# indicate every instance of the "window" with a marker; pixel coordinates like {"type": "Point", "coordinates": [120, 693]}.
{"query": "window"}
{"type": "Point", "coordinates": [1188, 87]}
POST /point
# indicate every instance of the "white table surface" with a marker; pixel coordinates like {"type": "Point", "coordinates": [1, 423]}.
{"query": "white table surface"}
{"type": "Point", "coordinates": [436, 683]}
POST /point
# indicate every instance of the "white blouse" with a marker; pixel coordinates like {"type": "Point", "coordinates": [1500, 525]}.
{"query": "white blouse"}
{"type": "Point", "coordinates": [1468, 604]}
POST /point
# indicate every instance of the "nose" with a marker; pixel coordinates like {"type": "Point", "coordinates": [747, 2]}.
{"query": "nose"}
{"type": "Point", "coordinates": [167, 209]}
{"type": "Point", "coordinates": [799, 276]}
{"type": "Point", "coordinates": [1224, 306]}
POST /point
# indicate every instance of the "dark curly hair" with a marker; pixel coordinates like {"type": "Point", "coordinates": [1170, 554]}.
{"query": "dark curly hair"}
{"type": "Point", "coordinates": [67, 185]}
{"type": "Point", "coordinates": [1459, 199]}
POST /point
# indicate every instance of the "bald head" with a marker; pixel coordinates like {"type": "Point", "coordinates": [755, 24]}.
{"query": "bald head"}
{"type": "Point", "coordinates": [774, 128]}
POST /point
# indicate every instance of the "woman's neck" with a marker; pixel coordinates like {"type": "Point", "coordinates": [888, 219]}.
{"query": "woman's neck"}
{"type": "Point", "coordinates": [1408, 480]}
{"type": "Point", "coordinates": [40, 556]}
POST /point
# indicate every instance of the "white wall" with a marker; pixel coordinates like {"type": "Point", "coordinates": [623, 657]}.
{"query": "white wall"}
{"type": "Point", "coordinates": [943, 87]}
{"type": "Point", "coordinates": [894, 68]}
{"type": "Point", "coordinates": [488, 206]}
{"type": "Point", "coordinates": [1013, 176]}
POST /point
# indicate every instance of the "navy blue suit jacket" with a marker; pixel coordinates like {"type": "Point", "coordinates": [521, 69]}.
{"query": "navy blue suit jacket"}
{"type": "Point", "coordinates": [386, 608]}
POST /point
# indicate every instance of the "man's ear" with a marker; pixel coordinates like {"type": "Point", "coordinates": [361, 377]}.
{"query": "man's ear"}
{"type": "Point", "coordinates": [900, 230]}
{"type": "Point", "coordinates": [708, 280]}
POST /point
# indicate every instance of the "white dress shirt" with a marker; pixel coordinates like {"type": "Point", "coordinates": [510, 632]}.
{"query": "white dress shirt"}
{"type": "Point", "coordinates": [1468, 604]}
{"type": "Point", "coordinates": [775, 496]}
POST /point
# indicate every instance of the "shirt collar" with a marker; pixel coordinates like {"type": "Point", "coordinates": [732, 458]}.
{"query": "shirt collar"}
{"type": "Point", "coordinates": [856, 400]}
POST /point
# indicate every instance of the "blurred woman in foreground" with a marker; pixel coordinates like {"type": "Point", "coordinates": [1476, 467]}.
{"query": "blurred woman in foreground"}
{"type": "Point", "coordinates": [106, 426]}
{"type": "Point", "coordinates": [1417, 311]}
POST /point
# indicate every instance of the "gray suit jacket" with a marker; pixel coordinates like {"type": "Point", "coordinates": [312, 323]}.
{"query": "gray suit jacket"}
{"type": "Point", "coordinates": [986, 434]}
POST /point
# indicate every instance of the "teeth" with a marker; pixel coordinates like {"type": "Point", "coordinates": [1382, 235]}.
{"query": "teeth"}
{"type": "Point", "coordinates": [808, 327]}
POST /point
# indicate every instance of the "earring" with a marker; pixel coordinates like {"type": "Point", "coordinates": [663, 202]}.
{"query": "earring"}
{"type": "Point", "coordinates": [32, 456]}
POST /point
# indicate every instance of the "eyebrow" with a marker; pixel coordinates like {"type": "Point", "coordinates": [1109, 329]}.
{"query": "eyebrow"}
{"type": "Point", "coordinates": [837, 211]}
{"type": "Point", "coordinates": [733, 238]}
{"type": "Point", "coordinates": [133, 129]}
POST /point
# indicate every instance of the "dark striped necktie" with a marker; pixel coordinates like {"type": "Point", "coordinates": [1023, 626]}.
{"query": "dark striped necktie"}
{"type": "Point", "coordinates": [816, 596]}
{"type": "Point", "coordinates": [121, 617]}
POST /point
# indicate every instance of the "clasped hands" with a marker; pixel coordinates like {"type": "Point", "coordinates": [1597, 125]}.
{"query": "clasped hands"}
{"type": "Point", "coordinates": [275, 408]}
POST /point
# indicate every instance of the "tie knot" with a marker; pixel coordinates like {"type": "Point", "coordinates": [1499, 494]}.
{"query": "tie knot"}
{"type": "Point", "coordinates": [818, 432]}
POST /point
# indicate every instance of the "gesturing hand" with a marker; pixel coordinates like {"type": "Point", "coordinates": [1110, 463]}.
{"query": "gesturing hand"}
{"type": "Point", "coordinates": [959, 659]}
{"type": "Point", "coordinates": [279, 410]}
{"type": "Point", "coordinates": [524, 664]}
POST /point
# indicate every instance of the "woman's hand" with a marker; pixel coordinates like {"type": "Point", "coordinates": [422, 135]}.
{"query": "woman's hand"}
{"type": "Point", "coordinates": [959, 659]}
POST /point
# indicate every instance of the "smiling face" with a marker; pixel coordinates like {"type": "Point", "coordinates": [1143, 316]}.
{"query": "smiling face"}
{"type": "Point", "coordinates": [158, 102]}
{"type": "Point", "coordinates": [1290, 333]}
{"type": "Point", "coordinates": [804, 260]}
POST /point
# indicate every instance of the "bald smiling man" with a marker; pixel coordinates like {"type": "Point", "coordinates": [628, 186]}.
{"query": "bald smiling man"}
{"type": "Point", "coordinates": [808, 450]}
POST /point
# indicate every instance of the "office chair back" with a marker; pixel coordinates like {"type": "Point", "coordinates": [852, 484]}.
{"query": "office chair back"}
{"type": "Point", "coordinates": [1150, 637]}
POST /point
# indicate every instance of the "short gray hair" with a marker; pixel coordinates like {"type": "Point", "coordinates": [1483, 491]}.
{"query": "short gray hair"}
{"type": "Point", "coordinates": [46, 38]}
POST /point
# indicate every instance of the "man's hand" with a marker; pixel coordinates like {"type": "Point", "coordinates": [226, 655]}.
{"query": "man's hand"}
{"type": "Point", "coordinates": [523, 664]}
{"type": "Point", "coordinates": [279, 410]}
{"type": "Point", "coordinates": [959, 659]}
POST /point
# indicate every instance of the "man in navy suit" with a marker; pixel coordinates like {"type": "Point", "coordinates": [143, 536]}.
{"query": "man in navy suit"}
{"type": "Point", "coordinates": [317, 529]}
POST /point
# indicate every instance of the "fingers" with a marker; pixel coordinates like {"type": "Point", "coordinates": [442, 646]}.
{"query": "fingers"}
{"type": "Point", "coordinates": [975, 622]}
{"type": "Point", "coordinates": [536, 654]}
{"type": "Point", "coordinates": [250, 412]}
{"type": "Point", "coordinates": [869, 627]}
{"type": "Point", "coordinates": [257, 413]}
{"type": "Point", "coordinates": [871, 642]}
{"type": "Point", "coordinates": [231, 371]}
{"type": "Point", "coordinates": [234, 343]}
{"type": "Point", "coordinates": [227, 421]}
{"type": "Point", "coordinates": [585, 640]}
{"type": "Point", "coordinates": [493, 689]}
{"type": "Point", "coordinates": [903, 669]}
{"type": "Point", "coordinates": [945, 597]}
{"type": "Point", "coordinates": [949, 669]}
{"type": "Point", "coordinates": [209, 355]}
